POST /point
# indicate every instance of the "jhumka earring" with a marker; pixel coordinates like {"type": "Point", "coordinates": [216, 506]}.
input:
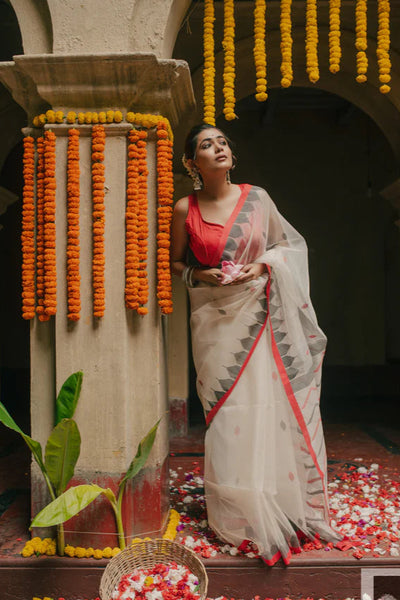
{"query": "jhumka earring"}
{"type": "Point", "coordinates": [193, 174]}
{"type": "Point", "coordinates": [228, 177]}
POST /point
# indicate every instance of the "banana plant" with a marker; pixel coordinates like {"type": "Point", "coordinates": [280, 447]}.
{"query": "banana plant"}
{"type": "Point", "coordinates": [63, 446]}
{"type": "Point", "coordinates": [76, 498]}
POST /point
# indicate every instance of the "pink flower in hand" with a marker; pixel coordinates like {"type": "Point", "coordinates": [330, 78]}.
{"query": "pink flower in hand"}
{"type": "Point", "coordinates": [230, 271]}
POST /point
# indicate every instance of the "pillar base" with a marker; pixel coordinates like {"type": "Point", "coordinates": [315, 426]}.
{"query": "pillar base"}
{"type": "Point", "coordinates": [144, 511]}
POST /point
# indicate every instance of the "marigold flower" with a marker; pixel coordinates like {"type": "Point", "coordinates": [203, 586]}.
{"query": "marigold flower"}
{"type": "Point", "coordinates": [98, 261]}
{"type": "Point", "coordinates": [28, 231]}
{"type": "Point", "coordinates": [73, 249]}
{"type": "Point", "coordinates": [209, 67]}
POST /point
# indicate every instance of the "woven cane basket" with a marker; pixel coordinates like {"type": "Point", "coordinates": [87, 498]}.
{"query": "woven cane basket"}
{"type": "Point", "coordinates": [146, 554]}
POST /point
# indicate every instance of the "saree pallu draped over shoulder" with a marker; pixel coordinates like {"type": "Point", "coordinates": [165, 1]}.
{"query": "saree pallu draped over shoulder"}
{"type": "Point", "coordinates": [258, 354]}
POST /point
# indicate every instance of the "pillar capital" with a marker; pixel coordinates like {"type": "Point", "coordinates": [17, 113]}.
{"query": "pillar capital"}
{"type": "Point", "coordinates": [135, 81]}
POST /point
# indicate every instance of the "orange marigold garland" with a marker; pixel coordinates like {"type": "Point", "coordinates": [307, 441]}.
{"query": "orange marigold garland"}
{"type": "Point", "coordinates": [40, 231]}
{"type": "Point", "coordinates": [49, 234]}
{"type": "Point", "coordinates": [73, 250]}
{"type": "Point", "coordinates": [209, 63]}
{"type": "Point", "coordinates": [98, 195]}
{"type": "Point", "coordinates": [143, 288]}
{"type": "Point", "coordinates": [165, 190]}
{"type": "Point", "coordinates": [28, 230]}
{"type": "Point", "coordinates": [132, 225]}
{"type": "Point", "coordinates": [137, 228]}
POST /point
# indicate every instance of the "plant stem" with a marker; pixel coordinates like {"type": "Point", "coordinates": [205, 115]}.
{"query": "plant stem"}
{"type": "Point", "coordinates": [118, 517]}
{"type": "Point", "coordinates": [60, 539]}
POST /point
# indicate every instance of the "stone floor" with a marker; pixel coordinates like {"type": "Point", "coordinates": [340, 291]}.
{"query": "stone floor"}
{"type": "Point", "coordinates": [332, 575]}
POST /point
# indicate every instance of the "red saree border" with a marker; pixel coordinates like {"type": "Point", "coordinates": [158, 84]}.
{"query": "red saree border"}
{"type": "Point", "coordinates": [245, 187]}
{"type": "Point", "coordinates": [294, 404]}
{"type": "Point", "coordinates": [225, 397]}
{"type": "Point", "coordinates": [286, 559]}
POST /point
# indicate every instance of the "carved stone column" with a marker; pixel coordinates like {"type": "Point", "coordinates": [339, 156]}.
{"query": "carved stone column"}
{"type": "Point", "coordinates": [122, 355]}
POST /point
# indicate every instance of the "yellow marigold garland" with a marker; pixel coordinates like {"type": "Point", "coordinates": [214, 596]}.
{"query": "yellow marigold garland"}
{"type": "Point", "coordinates": [132, 225]}
{"type": "Point", "coordinates": [40, 230]}
{"type": "Point", "coordinates": [286, 43]}
{"type": "Point", "coordinates": [335, 52]}
{"type": "Point", "coordinates": [173, 522]}
{"type": "Point", "coordinates": [165, 190]}
{"type": "Point", "coordinates": [209, 63]}
{"type": "Point", "coordinates": [260, 55]}
{"type": "Point", "coordinates": [146, 120]}
{"type": "Point", "coordinates": [312, 41]}
{"type": "Point", "coordinates": [228, 45]}
{"type": "Point", "coordinates": [361, 40]}
{"type": "Point", "coordinates": [73, 249]}
{"type": "Point", "coordinates": [50, 272]}
{"type": "Point", "coordinates": [28, 230]}
{"type": "Point", "coordinates": [47, 546]}
{"type": "Point", "coordinates": [383, 45]}
{"type": "Point", "coordinates": [98, 195]}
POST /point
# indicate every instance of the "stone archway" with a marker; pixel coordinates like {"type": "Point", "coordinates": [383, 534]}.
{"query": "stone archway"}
{"type": "Point", "coordinates": [383, 110]}
{"type": "Point", "coordinates": [35, 23]}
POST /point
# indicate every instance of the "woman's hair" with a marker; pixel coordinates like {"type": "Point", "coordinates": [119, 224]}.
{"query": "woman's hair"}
{"type": "Point", "coordinates": [191, 140]}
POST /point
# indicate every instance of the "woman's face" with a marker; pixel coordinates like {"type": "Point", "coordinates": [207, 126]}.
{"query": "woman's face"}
{"type": "Point", "coordinates": [212, 151]}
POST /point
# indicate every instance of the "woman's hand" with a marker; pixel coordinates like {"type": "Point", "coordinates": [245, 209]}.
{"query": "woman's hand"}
{"type": "Point", "coordinates": [249, 272]}
{"type": "Point", "coordinates": [213, 276]}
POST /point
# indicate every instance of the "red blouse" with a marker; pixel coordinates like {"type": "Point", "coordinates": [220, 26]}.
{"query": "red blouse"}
{"type": "Point", "coordinates": [207, 240]}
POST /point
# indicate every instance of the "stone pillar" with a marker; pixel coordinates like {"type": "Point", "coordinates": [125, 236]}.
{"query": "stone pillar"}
{"type": "Point", "coordinates": [121, 355]}
{"type": "Point", "coordinates": [178, 342]}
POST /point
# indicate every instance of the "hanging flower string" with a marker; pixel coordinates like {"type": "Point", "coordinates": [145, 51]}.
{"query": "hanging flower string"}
{"type": "Point", "coordinates": [286, 43]}
{"type": "Point", "coordinates": [260, 56]}
{"type": "Point", "coordinates": [335, 52]}
{"type": "Point", "coordinates": [40, 231]}
{"type": "Point", "coordinates": [361, 40]}
{"type": "Point", "coordinates": [209, 63]}
{"type": "Point", "coordinates": [28, 230]}
{"type": "Point", "coordinates": [73, 250]}
{"type": "Point", "coordinates": [137, 287]}
{"type": "Point", "coordinates": [312, 41]}
{"type": "Point", "coordinates": [132, 225]}
{"type": "Point", "coordinates": [143, 231]}
{"type": "Point", "coordinates": [383, 46]}
{"type": "Point", "coordinates": [50, 271]}
{"type": "Point", "coordinates": [229, 60]}
{"type": "Point", "coordinates": [165, 190]}
{"type": "Point", "coordinates": [98, 195]}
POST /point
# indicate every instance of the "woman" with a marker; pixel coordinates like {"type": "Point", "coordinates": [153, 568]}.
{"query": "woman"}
{"type": "Point", "coordinates": [258, 353]}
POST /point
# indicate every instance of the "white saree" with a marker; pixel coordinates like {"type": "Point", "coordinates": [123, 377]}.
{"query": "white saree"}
{"type": "Point", "coordinates": [258, 353]}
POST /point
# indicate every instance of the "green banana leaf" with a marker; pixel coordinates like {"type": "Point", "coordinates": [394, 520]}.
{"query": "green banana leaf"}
{"type": "Point", "coordinates": [68, 396]}
{"type": "Point", "coordinates": [66, 506]}
{"type": "Point", "coordinates": [33, 445]}
{"type": "Point", "coordinates": [61, 454]}
{"type": "Point", "coordinates": [142, 453]}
